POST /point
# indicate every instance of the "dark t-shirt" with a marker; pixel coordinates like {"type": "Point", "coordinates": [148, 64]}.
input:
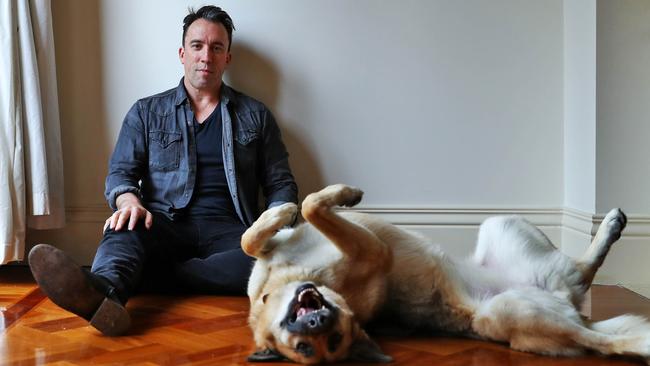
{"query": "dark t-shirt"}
{"type": "Point", "coordinates": [211, 197]}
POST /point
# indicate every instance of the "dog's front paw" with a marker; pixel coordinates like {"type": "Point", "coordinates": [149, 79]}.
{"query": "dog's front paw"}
{"type": "Point", "coordinates": [348, 196]}
{"type": "Point", "coordinates": [331, 196]}
{"type": "Point", "coordinates": [341, 195]}
{"type": "Point", "coordinates": [288, 213]}
{"type": "Point", "coordinates": [279, 216]}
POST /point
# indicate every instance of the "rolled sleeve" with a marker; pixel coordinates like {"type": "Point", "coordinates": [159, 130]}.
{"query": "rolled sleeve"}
{"type": "Point", "coordinates": [111, 197]}
{"type": "Point", "coordinates": [129, 158]}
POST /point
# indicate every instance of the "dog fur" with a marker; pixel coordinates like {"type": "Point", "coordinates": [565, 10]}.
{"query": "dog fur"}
{"type": "Point", "coordinates": [314, 287]}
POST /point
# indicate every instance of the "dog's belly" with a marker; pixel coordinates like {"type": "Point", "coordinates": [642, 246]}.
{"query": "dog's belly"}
{"type": "Point", "coordinates": [424, 290]}
{"type": "Point", "coordinates": [422, 294]}
{"type": "Point", "coordinates": [424, 307]}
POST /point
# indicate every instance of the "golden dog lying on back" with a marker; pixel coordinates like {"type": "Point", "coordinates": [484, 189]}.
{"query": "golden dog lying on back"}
{"type": "Point", "coordinates": [314, 287]}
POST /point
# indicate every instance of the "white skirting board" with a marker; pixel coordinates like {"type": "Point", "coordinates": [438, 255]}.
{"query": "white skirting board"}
{"type": "Point", "coordinates": [454, 229]}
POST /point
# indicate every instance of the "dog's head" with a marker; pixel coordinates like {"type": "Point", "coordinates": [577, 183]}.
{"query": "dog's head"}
{"type": "Point", "coordinates": [308, 324]}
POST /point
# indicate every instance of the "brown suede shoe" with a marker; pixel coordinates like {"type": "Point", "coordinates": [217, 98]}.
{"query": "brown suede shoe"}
{"type": "Point", "coordinates": [76, 290]}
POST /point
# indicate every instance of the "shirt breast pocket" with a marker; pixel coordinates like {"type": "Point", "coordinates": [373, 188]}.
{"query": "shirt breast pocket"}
{"type": "Point", "coordinates": [245, 137]}
{"type": "Point", "coordinates": [164, 149]}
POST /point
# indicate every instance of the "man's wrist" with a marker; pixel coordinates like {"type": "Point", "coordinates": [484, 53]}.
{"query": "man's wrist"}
{"type": "Point", "coordinates": [118, 191]}
{"type": "Point", "coordinates": [125, 199]}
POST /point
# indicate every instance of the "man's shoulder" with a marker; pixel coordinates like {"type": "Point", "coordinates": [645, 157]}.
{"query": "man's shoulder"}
{"type": "Point", "coordinates": [245, 102]}
{"type": "Point", "coordinates": [163, 102]}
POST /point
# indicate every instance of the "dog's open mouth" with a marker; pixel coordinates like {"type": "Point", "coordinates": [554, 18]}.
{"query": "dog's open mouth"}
{"type": "Point", "coordinates": [308, 312]}
{"type": "Point", "coordinates": [308, 300]}
{"type": "Point", "coordinates": [307, 303]}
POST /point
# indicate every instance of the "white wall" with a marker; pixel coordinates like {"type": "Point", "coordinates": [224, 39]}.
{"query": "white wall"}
{"type": "Point", "coordinates": [580, 104]}
{"type": "Point", "coordinates": [579, 124]}
{"type": "Point", "coordinates": [606, 128]}
{"type": "Point", "coordinates": [623, 152]}
{"type": "Point", "coordinates": [623, 129]}
{"type": "Point", "coordinates": [444, 112]}
{"type": "Point", "coordinates": [424, 103]}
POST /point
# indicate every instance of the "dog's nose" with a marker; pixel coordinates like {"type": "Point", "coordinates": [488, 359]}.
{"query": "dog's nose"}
{"type": "Point", "coordinates": [315, 322]}
{"type": "Point", "coordinates": [318, 319]}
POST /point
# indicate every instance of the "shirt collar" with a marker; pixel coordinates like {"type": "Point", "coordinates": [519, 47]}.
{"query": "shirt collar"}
{"type": "Point", "coordinates": [181, 94]}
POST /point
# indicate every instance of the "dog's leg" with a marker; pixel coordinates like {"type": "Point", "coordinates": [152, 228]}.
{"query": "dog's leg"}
{"type": "Point", "coordinates": [521, 253]}
{"type": "Point", "coordinates": [511, 248]}
{"type": "Point", "coordinates": [355, 241]}
{"type": "Point", "coordinates": [608, 233]}
{"type": "Point", "coordinates": [529, 320]}
{"type": "Point", "coordinates": [505, 240]}
{"type": "Point", "coordinates": [255, 241]}
{"type": "Point", "coordinates": [572, 339]}
{"type": "Point", "coordinates": [536, 321]}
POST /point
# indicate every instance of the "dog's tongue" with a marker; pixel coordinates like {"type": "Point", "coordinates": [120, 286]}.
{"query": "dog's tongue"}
{"type": "Point", "coordinates": [303, 311]}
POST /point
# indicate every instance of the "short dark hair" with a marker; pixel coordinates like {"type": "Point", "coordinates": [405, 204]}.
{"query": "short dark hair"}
{"type": "Point", "coordinates": [212, 13]}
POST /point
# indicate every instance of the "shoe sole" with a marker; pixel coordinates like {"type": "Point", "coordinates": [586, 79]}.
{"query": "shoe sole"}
{"type": "Point", "coordinates": [65, 283]}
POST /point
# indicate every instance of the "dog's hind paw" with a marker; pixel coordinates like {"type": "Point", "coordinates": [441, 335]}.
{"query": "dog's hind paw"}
{"type": "Point", "coordinates": [614, 223]}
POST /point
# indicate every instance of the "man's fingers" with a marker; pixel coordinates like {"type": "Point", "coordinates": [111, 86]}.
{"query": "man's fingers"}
{"type": "Point", "coordinates": [135, 215]}
{"type": "Point", "coordinates": [106, 224]}
{"type": "Point", "coordinates": [128, 217]}
{"type": "Point", "coordinates": [124, 216]}
{"type": "Point", "coordinates": [148, 220]}
{"type": "Point", "coordinates": [114, 218]}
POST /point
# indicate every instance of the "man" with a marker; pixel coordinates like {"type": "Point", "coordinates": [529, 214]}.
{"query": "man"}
{"type": "Point", "coordinates": [183, 180]}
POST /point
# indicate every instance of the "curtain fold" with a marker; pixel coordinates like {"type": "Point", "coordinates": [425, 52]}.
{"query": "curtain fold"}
{"type": "Point", "coordinates": [47, 205]}
{"type": "Point", "coordinates": [31, 173]}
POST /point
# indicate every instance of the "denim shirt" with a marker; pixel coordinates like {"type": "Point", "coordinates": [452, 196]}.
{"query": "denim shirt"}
{"type": "Point", "coordinates": [155, 155]}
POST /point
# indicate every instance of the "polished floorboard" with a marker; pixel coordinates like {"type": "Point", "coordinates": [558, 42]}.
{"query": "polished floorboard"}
{"type": "Point", "coordinates": [212, 330]}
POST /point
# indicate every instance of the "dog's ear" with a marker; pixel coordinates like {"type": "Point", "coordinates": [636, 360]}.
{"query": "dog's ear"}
{"type": "Point", "coordinates": [363, 349]}
{"type": "Point", "coordinates": [266, 355]}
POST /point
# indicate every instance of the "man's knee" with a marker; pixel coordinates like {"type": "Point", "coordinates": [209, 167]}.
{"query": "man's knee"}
{"type": "Point", "coordinates": [226, 272]}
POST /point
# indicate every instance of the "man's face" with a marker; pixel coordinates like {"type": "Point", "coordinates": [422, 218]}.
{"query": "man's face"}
{"type": "Point", "coordinates": [205, 54]}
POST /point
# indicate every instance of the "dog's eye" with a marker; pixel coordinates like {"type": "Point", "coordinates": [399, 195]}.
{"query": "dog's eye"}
{"type": "Point", "coordinates": [305, 349]}
{"type": "Point", "coordinates": [264, 298]}
{"type": "Point", "coordinates": [333, 342]}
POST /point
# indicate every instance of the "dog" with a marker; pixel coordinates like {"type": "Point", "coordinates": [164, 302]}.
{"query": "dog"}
{"type": "Point", "coordinates": [316, 286]}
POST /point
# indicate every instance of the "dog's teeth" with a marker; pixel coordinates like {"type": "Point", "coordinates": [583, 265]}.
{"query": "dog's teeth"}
{"type": "Point", "coordinates": [302, 294]}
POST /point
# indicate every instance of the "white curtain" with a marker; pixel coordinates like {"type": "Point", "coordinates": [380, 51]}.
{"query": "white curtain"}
{"type": "Point", "coordinates": [31, 167]}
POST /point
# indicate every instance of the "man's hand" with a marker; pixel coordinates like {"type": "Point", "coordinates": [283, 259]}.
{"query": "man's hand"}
{"type": "Point", "coordinates": [129, 208]}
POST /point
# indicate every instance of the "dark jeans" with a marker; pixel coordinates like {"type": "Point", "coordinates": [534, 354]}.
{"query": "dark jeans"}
{"type": "Point", "coordinates": [175, 256]}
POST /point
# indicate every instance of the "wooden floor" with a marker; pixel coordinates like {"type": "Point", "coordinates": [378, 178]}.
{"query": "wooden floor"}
{"type": "Point", "coordinates": [205, 330]}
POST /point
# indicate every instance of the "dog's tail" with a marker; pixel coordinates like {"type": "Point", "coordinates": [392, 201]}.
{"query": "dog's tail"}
{"type": "Point", "coordinates": [609, 232]}
{"type": "Point", "coordinates": [622, 325]}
